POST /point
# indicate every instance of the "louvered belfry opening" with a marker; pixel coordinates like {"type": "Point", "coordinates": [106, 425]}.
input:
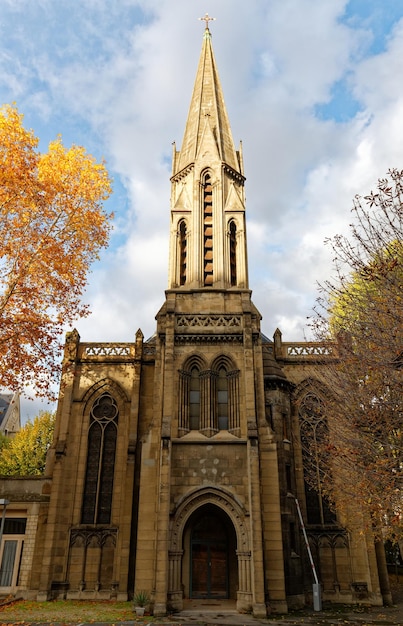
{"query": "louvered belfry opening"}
{"type": "Point", "coordinates": [232, 253]}
{"type": "Point", "coordinates": [183, 252]}
{"type": "Point", "coordinates": [208, 230]}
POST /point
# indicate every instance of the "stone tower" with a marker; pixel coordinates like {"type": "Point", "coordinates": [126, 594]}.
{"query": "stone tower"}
{"type": "Point", "coordinates": [208, 393]}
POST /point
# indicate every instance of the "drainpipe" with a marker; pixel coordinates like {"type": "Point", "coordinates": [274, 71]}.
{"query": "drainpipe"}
{"type": "Point", "coordinates": [317, 598]}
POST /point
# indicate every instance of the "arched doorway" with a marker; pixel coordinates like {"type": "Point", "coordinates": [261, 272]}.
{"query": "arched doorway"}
{"type": "Point", "coordinates": [211, 546]}
{"type": "Point", "coordinates": [210, 522]}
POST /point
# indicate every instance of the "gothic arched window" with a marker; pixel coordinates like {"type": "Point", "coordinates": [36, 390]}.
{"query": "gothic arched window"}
{"type": "Point", "coordinates": [182, 252]}
{"type": "Point", "coordinates": [222, 399]}
{"type": "Point", "coordinates": [209, 398]}
{"type": "Point", "coordinates": [102, 436]}
{"type": "Point", "coordinates": [194, 399]}
{"type": "Point", "coordinates": [232, 253]}
{"type": "Point", "coordinates": [313, 430]}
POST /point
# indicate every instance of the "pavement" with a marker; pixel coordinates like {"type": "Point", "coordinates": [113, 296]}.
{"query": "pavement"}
{"type": "Point", "coordinates": [380, 616]}
{"type": "Point", "coordinates": [225, 614]}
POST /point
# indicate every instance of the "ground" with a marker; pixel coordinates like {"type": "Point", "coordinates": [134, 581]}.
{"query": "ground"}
{"type": "Point", "coordinates": [96, 613]}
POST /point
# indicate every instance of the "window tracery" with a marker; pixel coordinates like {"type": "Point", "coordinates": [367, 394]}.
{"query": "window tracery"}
{"type": "Point", "coordinates": [102, 436]}
{"type": "Point", "coordinates": [313, 430]}
{"type": "Point", "coordinates": [209, 399]}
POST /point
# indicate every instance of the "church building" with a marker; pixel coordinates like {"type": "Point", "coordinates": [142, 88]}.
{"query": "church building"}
{"type": "Point", "coordinates": [178, 465]}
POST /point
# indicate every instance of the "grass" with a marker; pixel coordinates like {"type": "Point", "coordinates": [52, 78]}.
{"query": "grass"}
{"type": "Point", "coordinates": [66, 611]}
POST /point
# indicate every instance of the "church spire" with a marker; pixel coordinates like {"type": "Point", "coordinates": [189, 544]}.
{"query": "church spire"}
{"type": "Point", "coordinates": [208, 233]}
{"type": "Point", "coordinates": [207, 108]}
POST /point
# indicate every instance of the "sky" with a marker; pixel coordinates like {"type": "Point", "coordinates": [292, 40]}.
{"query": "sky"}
{"type": "Point", "coordinates": [313, 89]}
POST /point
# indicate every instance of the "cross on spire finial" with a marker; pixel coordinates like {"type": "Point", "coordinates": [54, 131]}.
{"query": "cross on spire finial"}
{"type": "Point", "coordinates": [207, 19]}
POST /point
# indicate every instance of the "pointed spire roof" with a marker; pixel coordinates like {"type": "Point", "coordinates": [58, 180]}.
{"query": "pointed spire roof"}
{"type": "Point", "coordinates": [207, 109]}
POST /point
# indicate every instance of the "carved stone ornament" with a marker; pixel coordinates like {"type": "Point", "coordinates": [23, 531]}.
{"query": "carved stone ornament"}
{"type": "Point", "coordinates": [208, 321]}
{"type": "Point", "coordinates": [208, 339]}
{"type": "Point", "coordinates": [108, 349]}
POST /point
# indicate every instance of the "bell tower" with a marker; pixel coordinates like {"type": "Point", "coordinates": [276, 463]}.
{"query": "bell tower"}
{"type": "Point", "coordinates": [207, 239]}
{"type": "Point", "coordinates": [208, 395]}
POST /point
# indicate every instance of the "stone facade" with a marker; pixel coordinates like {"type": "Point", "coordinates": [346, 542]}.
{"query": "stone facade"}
{"type": "Point", "coordinates": [177, 462]}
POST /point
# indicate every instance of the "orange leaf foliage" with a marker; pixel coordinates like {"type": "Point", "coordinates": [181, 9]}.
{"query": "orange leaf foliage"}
{"type": "Point", "coordinates": [52, 227]}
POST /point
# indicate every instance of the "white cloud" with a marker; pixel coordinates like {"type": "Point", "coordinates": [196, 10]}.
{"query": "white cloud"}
{"type": "Point", "coordinates": [119, 82]}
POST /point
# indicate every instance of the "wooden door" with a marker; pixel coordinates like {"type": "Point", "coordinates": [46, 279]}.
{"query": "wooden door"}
{"type": "Point", "coordinates": [209, 559]}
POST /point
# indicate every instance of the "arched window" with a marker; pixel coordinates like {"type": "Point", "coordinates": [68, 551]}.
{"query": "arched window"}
{"type": "Point", "coordinates": [182, 252]}
{"type": "Point", "coordinates": [208, 230]}
{"type": "Point", "coordinates": [194, 399]}
{"type": "Point", "coordinates": [209, 398]}
{"type": "Point", "coordinates": [232, 253]}
{"type": "Point", "coordinates": [102, 436]}
{"type": "Point", "coordinates": [313, 430]}
{"type": "Point", "coordinates": [222, 399]}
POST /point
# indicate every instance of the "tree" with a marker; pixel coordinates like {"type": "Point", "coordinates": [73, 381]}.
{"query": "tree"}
{"type": "Point", "coordinates": [25, 454]}
{"type": "Point", "coordinates": [52, 227]}
{"type": "Point", "coordinates": [360, 314]}
{"type": "Point", "coordinates": [4, 441]}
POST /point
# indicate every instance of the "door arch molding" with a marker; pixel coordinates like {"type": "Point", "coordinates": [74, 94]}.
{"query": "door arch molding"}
{"type": "Point", "coordinates": [238, 516]}
{"type": "Point", "coordinates": [210, 495]}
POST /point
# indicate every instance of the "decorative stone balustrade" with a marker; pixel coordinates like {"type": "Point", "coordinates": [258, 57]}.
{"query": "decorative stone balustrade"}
{"type": "Point", "coordinates": [107, 350]}
{"type": "Point", "coordinates": [287, 351]}
{"type": "Point", "coordinates": [208, 321]}
{"type": "Point", "coordinates": [310, 349]}
{"type": "Point", "coordinates": [294, 352]}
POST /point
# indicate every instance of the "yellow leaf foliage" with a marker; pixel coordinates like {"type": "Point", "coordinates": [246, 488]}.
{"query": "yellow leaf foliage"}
{"type": "Point", "coordinates": [52, 227]}
{"type": "Point", "coordinates": [25, 454]}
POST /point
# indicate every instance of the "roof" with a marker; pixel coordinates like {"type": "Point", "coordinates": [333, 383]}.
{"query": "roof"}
{"type": "Point", "coordinates": [9, 412]}
{"type": "Point", "coordinates": [271, 368]}
{"type": "Point", "coordinates": [207, 109]}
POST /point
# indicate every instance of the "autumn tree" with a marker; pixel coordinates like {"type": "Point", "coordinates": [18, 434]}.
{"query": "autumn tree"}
{"type": "Point", "coordinates": [360, 314]}
{"type": "Point", "coordinates": [4, 441]}
{"type": "Point", "coordinates": [52, 227]}
{"type": "Point", "coordinates": [25, 454]}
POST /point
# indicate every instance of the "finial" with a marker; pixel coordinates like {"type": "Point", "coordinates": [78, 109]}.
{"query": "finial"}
{"type": "Point", "coordinates": [207, 19]}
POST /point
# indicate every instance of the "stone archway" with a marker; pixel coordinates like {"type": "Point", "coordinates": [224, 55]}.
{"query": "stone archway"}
{"type": "Point", "coordinates": [210, 565]}
{"type": "Point", "coordinates": [224, 503]}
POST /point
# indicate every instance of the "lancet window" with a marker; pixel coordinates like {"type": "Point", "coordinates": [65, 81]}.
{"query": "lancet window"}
{"type": "Point", "coordinates": [102, 436]}
{"type": "Point", "coordinates": [232, 253]}
{"type": "Point", "coordinates": [209, 399]}
{"type": "Point", "coordinates": [313, 431]}
{"type": "Point", "coordinates": [182, 252]}
{"type": "Point", "coordinates": [194, 399]}
{"type": "Point", "coordinates": [222, 399]}
{"type": "Point", "coordinates": [208, 230]}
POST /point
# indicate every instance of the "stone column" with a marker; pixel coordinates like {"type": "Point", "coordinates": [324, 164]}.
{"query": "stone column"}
{"type": "Point", "coordinates": [207, 413]}
{"type": "Point", "coordinates": [233, 403]}
{"type": "Point", "coordinates": [161, 578]}
{"type": "Point", "coordinates": [174, 585]}
{"type": "Point", "coordinates": [257, 570]}
{"type": "Point", "coordinates": [244, 595]}
{"type": "Point", "coordinates": [183, 425]}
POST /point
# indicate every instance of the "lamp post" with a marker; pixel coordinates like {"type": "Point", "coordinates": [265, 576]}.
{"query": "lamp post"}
{"type": "Point", "coordinates": [3, 502]}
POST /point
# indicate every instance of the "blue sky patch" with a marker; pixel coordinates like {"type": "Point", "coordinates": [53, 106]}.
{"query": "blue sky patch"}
{"type": "Point", "coordinates": [378, 17]}
{"type": "Point", "coordinates": [342, 107]}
